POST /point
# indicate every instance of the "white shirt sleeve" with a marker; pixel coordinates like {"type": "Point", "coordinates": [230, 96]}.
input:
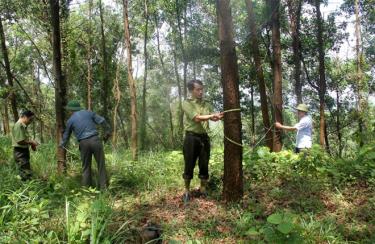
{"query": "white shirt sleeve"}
{"type": "Point", "coordinates": [305, 122]}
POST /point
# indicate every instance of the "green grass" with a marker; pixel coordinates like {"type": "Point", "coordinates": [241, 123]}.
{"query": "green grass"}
{"type": "Point", "coordinates": [329, 203]}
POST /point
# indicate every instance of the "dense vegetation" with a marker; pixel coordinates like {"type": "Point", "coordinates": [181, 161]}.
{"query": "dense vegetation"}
{"type": "Point", "coordinates": [288, 198]}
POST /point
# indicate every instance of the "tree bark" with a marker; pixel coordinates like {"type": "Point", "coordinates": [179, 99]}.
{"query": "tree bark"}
{"type": "Point", "coordinates": [277, 75]}
{"type": "Point", "coordinates": [338, 124]}
{"type": "Point", "coordinates": [105, 76]}
{"type": "Point", "coordinates": [179, 88]}
{"type": "Point", "coordinates": [260, 75]}
{"type": "Point", "coordinates": [117, 96]}
{"type": "Point", "coordinates": [322, 77]}
{"type": "Point", "coordinates": [89, 59]}
{"type": "Point", "coordinates": [6, 119]}
{"type": "Point", "coordinates": [233, 180]}
{"type": "Point", "coordinates": [253, 116]}
{"type": "Point", "coordinates": [60, 83]}
{"type": "Point", "coordinates": [361, 101]}
{"type": "Point", "coordinates": [181, 39]}
{"type": "Point", "coordinates": [144, 89]}
{"type": "Point", "coordinates": [8, 72]}
{"type": "Point", "coordinates": [132, 85]}
{"type": "Point", "coordinates": [294, 7]}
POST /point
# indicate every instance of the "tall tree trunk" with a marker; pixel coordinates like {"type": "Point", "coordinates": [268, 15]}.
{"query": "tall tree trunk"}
{"type": "Point", "coordinates": [361, 100]}
{"type": "Point", "coordinates": [181, 39]}
{"type": "Point", "coordinates": [233, 180]}
{"type": "Point", "coordinates": [165, 74]}
{"type": "Point", "coordinates": [179, 88]}
{"type": "Point", "coordinates": [123, 128]}
{"type": "Point", "coordinates": [89, 59]}
{"type": "Point", "coordinates": [295, 7]}
{"type": "Point", "coordinates": [252, 115]}
{"type": "Point", "coordinates": [338, 129]}
{"type": "Point", "coordinates": [277, 77]}
{"type": "Point", "coordinates": [60, 83]}
{"type": "Point", "coordinates": [322, 77]}
{"type": "Point", "coordinates": [105, 77]}
{"type": "Point", "coordinates": [132, 86]}
{"type": "Point", "coordinates": [4, 50]}
{"type": "Point", "coordinates": [117, 96]}
{"type": "Point", "coordinates": [6, 119]}
{"type": "Point", "coordinates": [260, 75]}
{"type": "Point", "coordinates": [40, 102]}
{"type": "Point", "coordinates": [144, 89]}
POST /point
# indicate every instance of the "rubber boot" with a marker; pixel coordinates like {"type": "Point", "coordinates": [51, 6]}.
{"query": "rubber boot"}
{"type": "Point", "coordinates": [186, 196]}
{"type": "Point", "coordinates": [203, 188]}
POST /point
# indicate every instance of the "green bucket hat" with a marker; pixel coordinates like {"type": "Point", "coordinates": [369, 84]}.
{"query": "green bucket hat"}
{"type": "Point", "coordinates": [73, 106]}
{"type": "Point", "coordinates": [302, 107]}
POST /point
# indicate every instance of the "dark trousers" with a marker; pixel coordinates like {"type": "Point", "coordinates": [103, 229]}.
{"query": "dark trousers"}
{"type": "Point", "coordinates": [22, 158]}
{"type": "Point", "coordinates": [89, 147]}
{"type": "Point", "coordinates": [196, 146]}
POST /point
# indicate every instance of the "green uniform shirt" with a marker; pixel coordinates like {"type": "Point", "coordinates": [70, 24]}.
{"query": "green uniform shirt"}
{"type": "Point", "coordinates": [191, 108]}
{"type": "Point", "coordinates": [19, 133]}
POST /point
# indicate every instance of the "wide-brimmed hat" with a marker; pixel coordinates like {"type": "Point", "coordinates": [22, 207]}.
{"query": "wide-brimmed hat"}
{"type": "Point", "coordinates": [73, 106]}
{"type": "Point", "coordinates": [302, 107]}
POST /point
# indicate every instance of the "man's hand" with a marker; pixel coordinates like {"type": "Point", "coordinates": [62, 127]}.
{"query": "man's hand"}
{"type": "Point", "coordinates": [278, 125]}
{"type": "Point", "coordinates": [217, 116]}
{"type": "Point", "coordinates": [34, 145]}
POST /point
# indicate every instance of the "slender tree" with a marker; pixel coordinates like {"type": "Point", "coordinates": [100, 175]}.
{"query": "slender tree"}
{"type": "Point", "coordinates": [144, 89]}
{"type": "Point", "coordinates": [233, 182]}
{"type": "Point", "coordinates": [105, 77]}
{"type": "Point", "coordinates": [360, 86]}
{"type": "Point", "coordinates": [259, 72]}
{"type": "Point", "coordinates": [8, 71]}
{"type": "Point", "coordinates": [89, 59]}
{"type": "Point", "coordinates": [132, 85]}
{"type": "Point", "coordinates": [322, 86]}
{"type": "Point", "coordinates": [277, 75]}
{"type": "Point", "coordinates": [60, 83]}
{"type": "Point", "coordinates": [295, 7]}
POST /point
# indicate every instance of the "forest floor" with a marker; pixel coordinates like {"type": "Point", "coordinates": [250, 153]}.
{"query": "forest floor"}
{"type": "Point", "coordinates": [278, 206]}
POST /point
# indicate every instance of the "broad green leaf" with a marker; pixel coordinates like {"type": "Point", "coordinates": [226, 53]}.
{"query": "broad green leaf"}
{"type": "Point", "coordinates": [285, 227]}
{"type": "Point", "coordinates": [275, 218]}
{"type": "Point", "coordinates": [252, 232]}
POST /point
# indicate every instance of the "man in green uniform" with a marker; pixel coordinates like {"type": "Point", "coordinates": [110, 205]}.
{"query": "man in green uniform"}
{"type": "Point", "coordinates": [197, 143]}
{"type": "Point", "coordinates": [21, 142]}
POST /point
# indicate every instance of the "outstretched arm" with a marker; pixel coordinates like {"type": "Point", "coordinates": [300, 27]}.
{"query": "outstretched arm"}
{"type": "Point", "coordinates": [213, 117]}
{"type": "Point", "coordinates": [66, 135]}
{"type": "Point", "coordinates": [284, 127]}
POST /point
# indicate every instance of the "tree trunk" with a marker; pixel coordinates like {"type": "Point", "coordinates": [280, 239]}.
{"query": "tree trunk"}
{"type": "Point", "coordinates": [181, 39]}
{"type": "Point", "coordinates": [361, 100]}
{"type": "Point", "coordinates": [89, 58]}
{"type": "Point", "coordinates": [338, 121]}
{"type": "Point", "coordinates": [123, 128]}
{"type": "Point", "coordinates": [6, 119]}
{"type": "Point", "coordinates": [295, 7]}
{"type": "Point", "coordinates": [260, 75]}
{"type": "Point", "coordinates": [233, 182]}
{"type": "Point", "coordinates": [252, 116]}
{"type": "Point", "coordinates": [322, 76]}
{"type": "Point", "coordinates": [144, 89]}
{"type": "Point", "coordinates": [117, 96]}
{"type": "Point", "coordinates": [60, 83]}
{"type": "Point", "coordinates": [132, 85]}
{"type": "Point", "coordinates": [105, 76]}
{"type": "Point", "coordinates": [180, 113]}
{"type": "Point", "coordinates": [277, 77]}
{"type": "Point", "coordinates": [4, 50]}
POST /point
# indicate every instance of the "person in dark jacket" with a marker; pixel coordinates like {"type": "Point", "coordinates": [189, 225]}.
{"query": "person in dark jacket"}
{"type": "Point", "coordinates": [83, 124]}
